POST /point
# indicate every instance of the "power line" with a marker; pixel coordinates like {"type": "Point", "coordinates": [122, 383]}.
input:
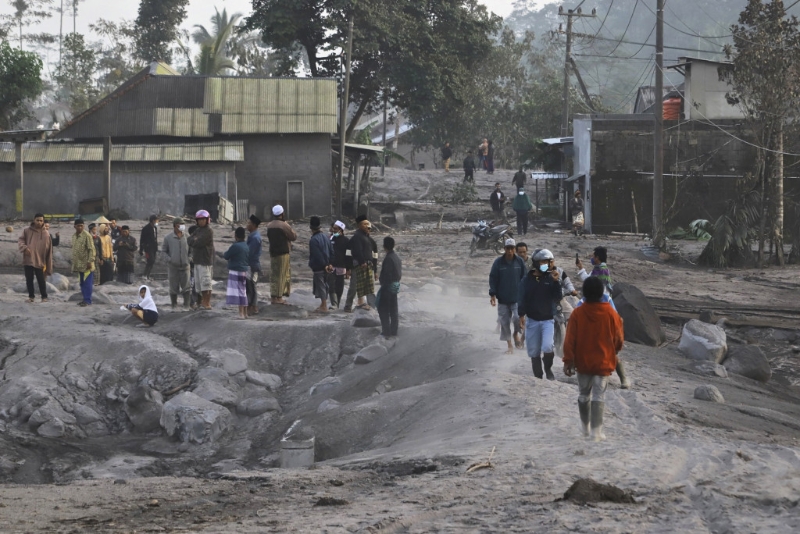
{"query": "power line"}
{"type": "Point", "coordinates": [647, 44]}
{"type": "Point", "coordinates": [625, 31]}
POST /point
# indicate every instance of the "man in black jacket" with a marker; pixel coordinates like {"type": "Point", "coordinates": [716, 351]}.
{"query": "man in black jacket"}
{"type": "Point", "coordinates": [148, 244]}
{"type": "Point", "coordinates": [340, 267]}
{"type": "Point", "coordinates": [469, 168]}
{"type": "Point", "coordinates": [391, 273]}
{"type": "Point", "coordinates": [201, 243]}
{"type": "Point", "coordinates": [498, 201]}
{"type": "Point", "coordinates": [364, 253]}
{"type": "Point", "coordinates": [538, 291]}
{"type": "Point", "coordinates": [447, 153]}
{"type": "Point", "coordinates": [125, 248]}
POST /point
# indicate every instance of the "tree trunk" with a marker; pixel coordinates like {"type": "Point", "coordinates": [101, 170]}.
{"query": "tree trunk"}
{"type": "Point", "coordinates": [777, 196]}
{"type": "Point", "coordinates": [356, 117]}
{"type": "Point", "coordinates": [762, 224]}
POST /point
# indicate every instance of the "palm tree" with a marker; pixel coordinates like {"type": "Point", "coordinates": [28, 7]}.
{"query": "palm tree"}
{"type": "Point", "coordinates": [215, 47]}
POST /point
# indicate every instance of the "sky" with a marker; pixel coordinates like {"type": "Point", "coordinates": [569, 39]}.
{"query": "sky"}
{"type": "Point", "coordinates": [198, 12]}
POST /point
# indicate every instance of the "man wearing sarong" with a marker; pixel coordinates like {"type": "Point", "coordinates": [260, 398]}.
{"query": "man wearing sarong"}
{"type": "Point", "coordinates": [365, 259]}
{"type": "Point", "coordinates": [320, 256]}
{"type": "Point", "coordinates": [280, 235]}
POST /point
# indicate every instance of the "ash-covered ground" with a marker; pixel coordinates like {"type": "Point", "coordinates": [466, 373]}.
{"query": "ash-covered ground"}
{"type": "Point", "coordinates": [394, 436]}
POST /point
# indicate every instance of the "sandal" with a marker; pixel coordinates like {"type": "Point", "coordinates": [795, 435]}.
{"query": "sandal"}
{"type": "Point", "coordinates": [29, 300]}
{"type": "Point", "coordinates": [44, 300]}
{"type": "Point", "coordinates": [364, 307]}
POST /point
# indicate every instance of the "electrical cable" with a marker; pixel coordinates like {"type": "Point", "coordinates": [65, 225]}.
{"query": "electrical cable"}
{"type": "Point", "coordinates": [626, 27]}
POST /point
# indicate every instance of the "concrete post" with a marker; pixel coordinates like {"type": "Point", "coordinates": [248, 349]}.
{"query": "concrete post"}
{"type": "Point", "coordinates": [19, 175]}
{"type": "Point", "coordinates": [356, 180]}
{"type": "Point", "coordinates": [107, 170]}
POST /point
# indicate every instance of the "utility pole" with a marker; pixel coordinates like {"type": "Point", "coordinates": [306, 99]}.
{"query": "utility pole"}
{"type": "Point", "coordinates": [570, 14]}
{"type": "Point", "coordinates": [383, 156]}
{"type": "Point", "coordinates": [343, 119]}
{"type": "Point", "coordinates": [658, 133]}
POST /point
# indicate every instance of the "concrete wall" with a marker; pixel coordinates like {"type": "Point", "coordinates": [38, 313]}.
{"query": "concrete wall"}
{"type": "Point", "coordinates": [273, 160]}
{"type": "Point", "coordinates": [139, 189]}
{"type": "Point", "coordinates": [704, 96]}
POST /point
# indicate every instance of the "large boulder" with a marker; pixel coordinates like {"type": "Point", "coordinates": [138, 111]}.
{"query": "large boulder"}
{"type": "Point", "coordinates": [194, 419]}
{"type": "Point", "coordinates": [23, 288]}
{"type": "Point", "coordinates": [215, 392]}
{"type": "Point", "coordinates": [325, 386]}
{"type": "Point", "coordinates": [701, 341]}
{"type": "Point", "coordinates": [269, 381]}
{"type": "Point", "coordinates": [143, 407]}
{"type": "Point", "coordinates": [60, 281]}
{"type": "Point", "coordinates": [641, 321]}
{"type": "Point", "coordinates": [708, 368]}
{"type": "Point", "coordinates": [365, 318]}
{"type": "Point", "coordinates": [232, 361]}
{"type": "Point", "coordinates": [370, 354]}
{"type": "Point", "coordinates": [749, 361]}
{"type": "Point", "coordinates": [256, 406]}
{"type": "Point", "coordinates": [98, 297]}
{"type": "Point", "coordinates": [708, 393]}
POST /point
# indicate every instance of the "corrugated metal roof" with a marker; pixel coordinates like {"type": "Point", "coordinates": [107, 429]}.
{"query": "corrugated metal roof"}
{"type": "Point", "coordinates": [64, 152]}
{"type": "Point", "coordinates": [181, 123]}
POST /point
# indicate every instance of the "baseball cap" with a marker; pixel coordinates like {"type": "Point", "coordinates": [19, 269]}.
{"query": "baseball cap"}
{"type": "Point", "coordinates": [510, 242]}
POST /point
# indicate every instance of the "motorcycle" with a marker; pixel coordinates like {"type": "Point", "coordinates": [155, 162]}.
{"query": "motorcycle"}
{"type": "Point", "coordinates": [485, 236]}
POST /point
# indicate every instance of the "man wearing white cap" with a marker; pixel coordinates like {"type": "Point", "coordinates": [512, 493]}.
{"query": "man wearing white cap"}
{"type": "Point", "coordinates": [280, 235]}
{"type": "Point", "coordinates": [504, 280]}
{"type": "Point", "coordinates": [340, 267]}
{"type": "Point", "coordinates": [202, 244]}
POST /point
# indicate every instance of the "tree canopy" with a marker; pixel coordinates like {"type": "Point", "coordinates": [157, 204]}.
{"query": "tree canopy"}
{"type": "Point", "coordinates": [20, 82]}
{"type": "Point", "coordinates": [418, 53]}
{"type": "Point", "coordinates": [157, 28]}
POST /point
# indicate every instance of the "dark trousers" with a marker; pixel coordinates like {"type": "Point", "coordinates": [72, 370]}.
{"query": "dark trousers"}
{"type": "Point", "coordinates": [387, 310]}
{"type": "Point", "coordinates": [522, 222]}
{"type": "Point", "coordinates": [150, 255]}
{"type": "Point", "coordinates": [336, 288]}
{"type": "Point", "coordinates": [469, 175]}
{"type": "Point", "coordinates": [87, 284]}
{"type": "Point", "coordinates": [30, 271]}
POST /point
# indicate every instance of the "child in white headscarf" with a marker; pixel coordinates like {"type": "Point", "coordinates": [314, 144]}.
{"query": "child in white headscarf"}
{"type": "Point", "coordinates": [146, 310]}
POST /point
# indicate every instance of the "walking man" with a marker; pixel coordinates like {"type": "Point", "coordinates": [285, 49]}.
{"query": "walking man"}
{"type": "Point", "coordinates": [594, 338]}
{"type": "Point", "coordinates": [202, 244]}
{"type": "Point", "coordinates": [125, 248]}
{"type": "Point", "coordinates": [254, 262]}
{"type": "Point", "coordinates": [176, 251]}
{"type": "Point", "coordinates": [576, 207]}
{"type": "Point", "coordinates": [522, 205]}
{"type": "Point", "coordinates": [341, 270]}
{"type": "Point", "coordinates": [280, 236]}
{"type": "Point", "coordinates": [148, 244]}
{"type": "Point", "coordinates": [537, 293]}
{"type": "Point", "coordinates": [498, 200]}
{"type": "Point", "coordinates": [469, 168]}
{"type": "Point", "coordinates": [519, 179]}
{"type": "Point", "coordinates": [391, 273]}
{"type": "Point", "coordinates": [320, 257]}
{"type": "Point", "coordinates": [37, 256]}
{"type": "Point", "coordinates": [504, 282]}
{"type": "Point", "coordinates": [83, 258]}
{"type": "Point", "coordinates": [447, 153]}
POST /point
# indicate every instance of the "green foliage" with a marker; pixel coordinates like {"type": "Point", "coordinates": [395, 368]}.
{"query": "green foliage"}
{"type": "Point", "coordinates": [157, 28]}
{"type": "Point", "coordinates": [115, 54]}
{"type": "Point", "coordinates": [420, 53]}
{"type": "Point", "coordinates": [732, 233]}
{"type": "Point", "coordinates": [461, 193]}
{"type": "Point", "coordinates": [20, 82]}
{"type": "Point", "coordinates": [75, 75]}
{"type": "Point", "coordinates": [26, 13]}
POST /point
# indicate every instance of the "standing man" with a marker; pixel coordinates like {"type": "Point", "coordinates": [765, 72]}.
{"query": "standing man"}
{"type": "Point", "coordinates": [522, 205]}
{"type": "Point", "coordinates": [37, 256]}
{"type": "Point", "coordinates": [320, 257]}
{"type": "Point", "coordinates": [482, 153]}
{"type": "Point", "coordinates": [115, 231]}
{"type": "Point", "coordinates": [125, 248]}
{"type": "Point", "coordinates": [490, 157]}
{"type": "Point", "coordinates": [447, 153]}
{"type": "Point", "coordinates": [522, 252]}
{"type": "Point", "coordinates": [340, 267]}
{"type": "Point", "coordinates": [83, 258]}
{"type": "Point", "coordinates": [537, 293]}
{"type": "Point", "coordinates": [469, 168]}
{"type": "Point", "coordinates": [202, 244]}
{"type": "Point", "coordinates": [254, 263]}
{"type": "Point", "coordinates": [56, 239]}
{"type": "Point", "coordinates": [148, 244]}
{"type": "Point", "coordinates": [280, 236]}
{"type": "Point", "coordinates": [576, 207]}
{"type": "Point", "coordinates": [504, 280]}
{"type": "Point", "coordinates": [519, 179]}
{"type": "Point", "coordinates": [176, 252]}
{"type": "Point", "coordinates": [364, 253]}
{"type": "Point", "coordinates": [594, 338]}
{"type": "Point", "coordinates": [498, 200]}
{"type": "Point", "coordinates": [391, 273]}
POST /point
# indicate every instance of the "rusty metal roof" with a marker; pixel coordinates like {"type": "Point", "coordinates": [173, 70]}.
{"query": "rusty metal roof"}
{"type": "Point", "coordinates": [156, 104]}
{"type": "Point", "coordinates": [65, 152]}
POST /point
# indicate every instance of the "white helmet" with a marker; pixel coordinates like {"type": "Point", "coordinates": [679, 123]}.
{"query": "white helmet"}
{"type": "Point", "coordinates": [544, 254]}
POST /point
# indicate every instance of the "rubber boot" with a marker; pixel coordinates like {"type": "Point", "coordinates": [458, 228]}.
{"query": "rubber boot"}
{"type": "Point", "coordinates": [207, 300]}
{"type": "Point", "coordinates": [583, 408]}
{"type": "Point", "coordinates": [623, 380]}
{"type": "Point", "coordinates": [187, 300]}
{"type": "Point", "coordinates": [174, 300]}
{"type": "Point", "coordinates": [536, 363]}
{"type": "Point", "coordinates": [548, 365]}
{"type": "Point", "coordinates": [597, 420]}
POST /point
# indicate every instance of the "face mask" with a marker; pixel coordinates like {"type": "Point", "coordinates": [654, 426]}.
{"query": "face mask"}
{"type": "Point", "coordinates": [591, 261]}
{"type": "Point", "coordinates": [182, 227]}
{"type": "Point", "coordinates": [156, 225]}
{"type": "Point", "coordinates": [544, 267]}
{"type": "Point", "coordinates": [336, 234]}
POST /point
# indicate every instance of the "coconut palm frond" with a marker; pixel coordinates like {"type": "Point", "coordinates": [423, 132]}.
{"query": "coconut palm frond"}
{"type": "Point", "coordinates": [732, 232]}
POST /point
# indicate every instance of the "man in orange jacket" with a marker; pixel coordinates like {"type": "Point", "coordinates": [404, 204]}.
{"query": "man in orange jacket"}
{"type": "Point", "coordinates": [594, 337]}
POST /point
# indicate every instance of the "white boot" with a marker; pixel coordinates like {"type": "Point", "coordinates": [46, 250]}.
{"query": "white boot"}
{"type": "Point", "coordinates": [597, 421]}
{"type": "Point", "coordinates": [583, 408]}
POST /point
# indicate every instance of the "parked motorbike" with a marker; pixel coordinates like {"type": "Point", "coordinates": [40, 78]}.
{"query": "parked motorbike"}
{"type": "Point", "coordinates": [486, 236]}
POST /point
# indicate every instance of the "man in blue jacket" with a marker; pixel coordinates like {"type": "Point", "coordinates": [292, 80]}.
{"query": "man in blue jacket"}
{"type": "Point", "coordinates": [504, 281]}
{"type": "Point", "coordinates": [320, 259]}
{"type": "Point", "coordinates": [537, 292]}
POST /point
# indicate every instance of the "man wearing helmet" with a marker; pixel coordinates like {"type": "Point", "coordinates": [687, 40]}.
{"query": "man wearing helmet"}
{"type": "Point", "coordinates": [537, 293]}
{"type": "Point", "coordinates": [202, 244]}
